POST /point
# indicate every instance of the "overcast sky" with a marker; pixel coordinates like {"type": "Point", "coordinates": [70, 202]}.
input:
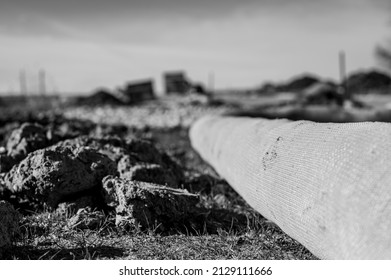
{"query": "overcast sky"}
{"type": "Point", "coordinates": [87, 44]}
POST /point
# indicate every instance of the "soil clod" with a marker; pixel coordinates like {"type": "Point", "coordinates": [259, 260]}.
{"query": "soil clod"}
{"type": "Point", "coordinates": [145, 205]}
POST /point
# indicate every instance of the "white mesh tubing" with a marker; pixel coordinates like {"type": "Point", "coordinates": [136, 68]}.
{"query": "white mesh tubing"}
{"type": "Point", "coordinates": [326, 185]}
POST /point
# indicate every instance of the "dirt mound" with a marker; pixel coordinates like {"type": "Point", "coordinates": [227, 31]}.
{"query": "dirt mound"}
{"type": "Point", "coordinates": [299, 84]}
{"type": "Point", "coordinates": [100, 97]}
{"type": "Point", "coordinates": [136, 159]}
{"type": "Point", "coordinates": [71, 171]}
{"type": "Point", "coordinates": [55, 174]}
{"type": "Point", "coordinates": [20, 140]}
{"type": "Point", "coordinates": [27, 138]}
{"type": "Point", "coordinates": [152, 173]}
{"type": "Point", "coordinates": [9, 224]}
{"type": "Point", "coordinates": [368, 81]}
{"type": "Point", "coordinates": [321, 94]}
{"type": "Point", "coordinates": [296, 84]}
{"type": "Point", "coordinates": [23, 140]}
{"type": "Point", "coordinates": [145, 205]}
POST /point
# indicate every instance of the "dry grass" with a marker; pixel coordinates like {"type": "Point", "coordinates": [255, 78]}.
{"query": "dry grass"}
{"type": "Point", "coordinates": [47, 236]}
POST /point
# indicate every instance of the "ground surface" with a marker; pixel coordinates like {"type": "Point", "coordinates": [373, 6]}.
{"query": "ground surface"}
{"type": "Point", "coordinates": [233, 229]}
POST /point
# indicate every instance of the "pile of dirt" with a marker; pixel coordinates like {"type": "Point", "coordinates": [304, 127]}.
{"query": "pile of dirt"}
{"type": "Point", "coordinates": [9, 224]}
{"type": "Point", "coordinates": [136, 159]}
{"type": "Point", "coordinates": [22, 141]}
{"type": "Point", "coordinates": [99, 98]}
{"type": "Point", "coordinates": [142, 205]}
{"type": "Point", "coordinates": [18, 140]}
{"type": "Point", "coordinates": [297, 84]}
{"type": "Point", "coordinates": [321, 94]}
{"type": "Point", "coordinates": [25, 139]}
{"type": "Point", "coordinates": [35, 173]}
{"type": "Point", "coordinates": [92, 177]}
{"type": "Point", "coordinates": [364, 82]}
{"type": "Point", "coordinates": [55, 174]}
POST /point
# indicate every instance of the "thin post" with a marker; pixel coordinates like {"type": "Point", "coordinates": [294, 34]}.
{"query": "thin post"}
{"type": "Point", "coordinates": [42, 82]}
{"type": "Point", "coordinates": [211, 82]}
{"type": "Point", "coordinates": [23, 82]}
{"type": "Point", "coordinates": [342, 72]}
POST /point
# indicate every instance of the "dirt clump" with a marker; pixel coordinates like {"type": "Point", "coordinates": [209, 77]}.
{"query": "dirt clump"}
{"type": "Point", "coordinates": [146, 205]}
{"type": "Point", "coordinates": [145, 172]}
{"type": "Point", "coordinates": [136, 159]}
{"type": "Point", "coordinates": [9, 224]}
{"type": "Point", "coordinates": [71, 171]}
{"type": "Point", "coordinates": [25, 139]}
{"type": "Point", "coordinates": [85, 218]}
{"type": "Point", "coordinates": [58, 173]}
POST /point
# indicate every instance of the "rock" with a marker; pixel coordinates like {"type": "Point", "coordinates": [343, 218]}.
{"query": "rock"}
{"type": "Point", "coordinates": [85, 218]}
{"type": "Point", "coordinates": [59, 173]}
{"type": "Point", "coordinates": [146, 205]}
{"type": "Point", "coordinates": [25, 139]}
{"type": "Point", "coordinates": [9, 224]}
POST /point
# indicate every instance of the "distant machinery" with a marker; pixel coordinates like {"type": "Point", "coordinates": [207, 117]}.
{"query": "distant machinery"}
{"type": "Point", "coordinates": [176, 83]}
{"type": "Point", "coordinates": [135, 92]}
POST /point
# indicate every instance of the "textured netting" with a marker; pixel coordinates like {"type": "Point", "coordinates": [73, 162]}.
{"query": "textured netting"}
{"type": "Point", "coordinates": [326, 185]}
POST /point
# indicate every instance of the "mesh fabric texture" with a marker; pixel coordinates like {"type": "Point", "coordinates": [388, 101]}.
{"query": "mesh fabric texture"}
{"type": "Point", "coordinates": [326, 185]}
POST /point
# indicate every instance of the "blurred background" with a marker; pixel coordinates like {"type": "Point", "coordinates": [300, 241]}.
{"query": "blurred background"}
{"type": "Point", "coordinates": [90, 43]}
{"type": "Point", "coordinates": [248, 53]}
